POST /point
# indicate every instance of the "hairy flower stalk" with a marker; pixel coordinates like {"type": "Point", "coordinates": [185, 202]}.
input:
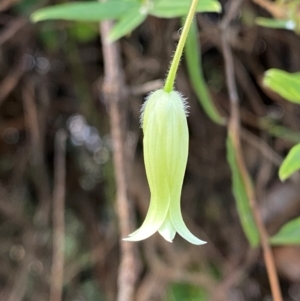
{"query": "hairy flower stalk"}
{"type": "Point", "coordinates": [166, 140]}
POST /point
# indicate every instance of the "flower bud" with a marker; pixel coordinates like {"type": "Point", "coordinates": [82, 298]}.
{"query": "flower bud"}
{"type": "Point", "coordinates": [166, 140]}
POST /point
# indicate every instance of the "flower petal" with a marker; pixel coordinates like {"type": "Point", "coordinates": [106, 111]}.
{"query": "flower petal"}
{"type": "Point", "coordinates": [155, 218]}
{"type": "Point", "coordinates": [182, 229]}
{"type": "Point", "coordinates": [155, 112]}
{"type": "Point", "coordinates": [177, 161]}
{"type": "Point", "coordinates": [167, 230]}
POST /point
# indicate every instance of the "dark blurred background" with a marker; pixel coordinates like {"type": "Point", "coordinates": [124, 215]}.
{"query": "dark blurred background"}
{"type": "Point", "coordinates": [51, 74]}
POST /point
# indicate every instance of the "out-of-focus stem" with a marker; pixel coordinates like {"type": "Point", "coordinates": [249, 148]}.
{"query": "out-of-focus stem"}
{"type": "Point", "coordinates": [234, 133]}
{"type": "Point", "coordinates": [57, 272]}
{"type": "Point", "coordinates": [115, 98]}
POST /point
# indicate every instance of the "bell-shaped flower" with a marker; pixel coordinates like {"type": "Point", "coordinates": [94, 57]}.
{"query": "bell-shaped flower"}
{"type": "Point", "coordinates": [166, 140]}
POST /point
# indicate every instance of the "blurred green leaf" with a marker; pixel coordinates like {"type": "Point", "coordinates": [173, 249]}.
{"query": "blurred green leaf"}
{"type": "Point", "coordinates": [290, 164]}
{"type": "Point", "coordinates": [241, 197]}
{"type": "Point", "coordinates": [289, 234]}
{"type": "Point", "coordinates": [186, 292]}
{"type": "Point", "coordinates": [192, 56]}
{"type": "Point", "coordinates": [84, 11]}
{"type": "Point", "coordinates": [276, 23]}
{"type": "Point", "coordinates": [127, 23]}
{"type": "Point", "coordinates": [84, 32]}
{"type": "Point", "coordinates": [284, 83]}
{"type": "Point", "coordinates": [180, 8]}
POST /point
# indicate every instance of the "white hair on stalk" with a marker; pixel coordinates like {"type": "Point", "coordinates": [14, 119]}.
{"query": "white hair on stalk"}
{"type": "Point", "coordinates": [185, 105]}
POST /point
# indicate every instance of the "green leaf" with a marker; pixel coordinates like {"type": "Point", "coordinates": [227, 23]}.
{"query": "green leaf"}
{"type": "Point", "coordinates": [84, 11]}
{"type": "Point", "coordinates": [286, 84]}
{"type": "Point", "coordinates": [289, 234]}
{"type": "Point", "coordinates": [241, 197]}
{"type": "Point", "coordinates": [180, 8]}
{"type": "Point", "coordinates": [193, 56]}
{"type": "Point", "coordinates": [127, 23]}
{"type": "Point", "coordinates": [290, 164]}
{"type": "Point", "coordinates": [276, 23]}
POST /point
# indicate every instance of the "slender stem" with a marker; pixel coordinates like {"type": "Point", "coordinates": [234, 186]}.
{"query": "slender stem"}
{"type": "Point", "coordinates": [114, 96]}
{"type": "Point", "coordinates": [234, 133]}
{"type": "Point", "coordinates": [178, 53]}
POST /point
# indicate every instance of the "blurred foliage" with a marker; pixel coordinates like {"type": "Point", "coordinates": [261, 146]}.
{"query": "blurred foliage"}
{"type": "Point", "coordinates": [186, 292]}
{"type": "Point", "coordinates": [285, 84]}
{"type": "Point", "coordinates": [289, 234]}
{"type": "Point", "coordinates": [286, 15]}
{"type": "Point", "coordinates": [240, 193]}
{"type": "Point", "coordinates": [129, 14]}
{"type": "Point", "coordinates": [291, 164]}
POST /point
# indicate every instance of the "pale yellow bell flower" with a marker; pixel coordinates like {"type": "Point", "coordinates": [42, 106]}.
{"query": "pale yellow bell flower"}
{"type": "Point", "coordinates": [166, 140]}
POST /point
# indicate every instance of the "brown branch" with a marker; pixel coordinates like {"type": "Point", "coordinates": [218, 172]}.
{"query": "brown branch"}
{"type": "Point", "coordinates": [37, 161]}
{"type": "Point", "coordinates": [57, 270]}
{"type": "Point", "coordinates": [114, 97]}
{"type": "Point", "coordinates": [234, 132]}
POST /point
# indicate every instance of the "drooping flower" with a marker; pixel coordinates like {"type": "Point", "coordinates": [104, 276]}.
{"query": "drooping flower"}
{"type": "Point", "coordinates": [166, 141]}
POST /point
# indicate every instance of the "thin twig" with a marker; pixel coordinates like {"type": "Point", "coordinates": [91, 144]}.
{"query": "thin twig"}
{"type": "Point", "coordinates": [234, 132]}
{"type": "Point", "coordinates": [57, 270]}
{"type": "Point", "coordinates": [113, 92]}
{"type": "Point", "coordinates": [262, 146]}
{"type": "Point", "coordinates": [37, 160]}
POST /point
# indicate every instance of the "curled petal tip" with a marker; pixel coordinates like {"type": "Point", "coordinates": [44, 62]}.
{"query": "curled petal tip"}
{"type": "Point", "coordinates": [126, 239]}
{"type": "Point", "coordinates": [132, 238]}
{"type": "Point", "coordinates": [201, 242]}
